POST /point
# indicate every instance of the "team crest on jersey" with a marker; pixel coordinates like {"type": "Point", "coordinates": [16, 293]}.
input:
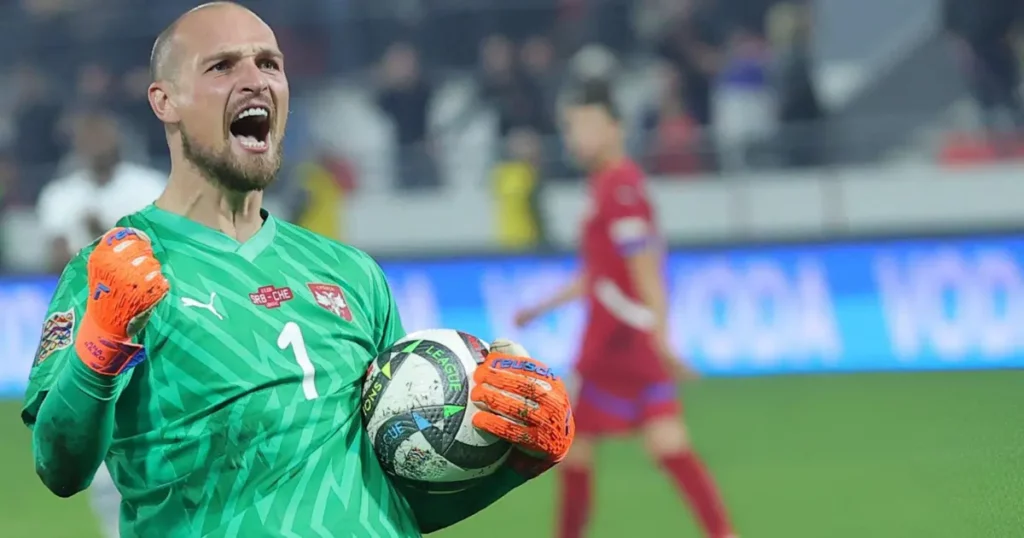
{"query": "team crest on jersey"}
{"type": "Point", "coordinates": [57, 334]}
{"type": "Point", "coordinates": [331, 298]}
{"type": "Point", "coordinates": [271, 296]}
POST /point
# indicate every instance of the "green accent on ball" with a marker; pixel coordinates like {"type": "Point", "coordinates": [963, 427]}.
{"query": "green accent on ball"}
{"type": "Point", "coordinates": [444, 418]}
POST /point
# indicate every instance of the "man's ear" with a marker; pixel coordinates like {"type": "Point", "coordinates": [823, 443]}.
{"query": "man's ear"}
{"type": "Point", "coordinates": [161, 103]}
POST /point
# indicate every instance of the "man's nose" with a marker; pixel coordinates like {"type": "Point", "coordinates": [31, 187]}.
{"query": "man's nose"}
{"type": "Point", "coordinates": [253, 79]}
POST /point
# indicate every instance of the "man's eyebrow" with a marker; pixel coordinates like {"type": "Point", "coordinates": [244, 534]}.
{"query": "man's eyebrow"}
{"type": "Point", "coordinates": [235, 54]}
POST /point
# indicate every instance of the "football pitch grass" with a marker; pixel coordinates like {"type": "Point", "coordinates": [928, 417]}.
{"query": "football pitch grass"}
{"type": "Point", "coordinates": [929, 455]}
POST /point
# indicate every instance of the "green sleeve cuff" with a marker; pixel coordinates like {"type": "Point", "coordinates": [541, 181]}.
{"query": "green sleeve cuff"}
{"type": "Point", "coordinates": [79, 379]}
{"type": "Point", "coordinates": [74, 428]}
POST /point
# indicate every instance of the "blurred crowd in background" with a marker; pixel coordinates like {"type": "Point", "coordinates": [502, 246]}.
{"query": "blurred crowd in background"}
{"type": "Point", "coordinates": [426, 95]}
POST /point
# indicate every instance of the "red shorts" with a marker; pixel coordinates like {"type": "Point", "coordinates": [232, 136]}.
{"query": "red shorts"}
{"type": "Point", "coordinates": [609, 409]}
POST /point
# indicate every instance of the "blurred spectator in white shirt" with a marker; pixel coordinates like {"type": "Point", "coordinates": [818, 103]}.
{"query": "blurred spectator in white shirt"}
{"type": "Point", "coordinates": [743, 102]}
{"type": "Point", "coordinates": [100, 188]}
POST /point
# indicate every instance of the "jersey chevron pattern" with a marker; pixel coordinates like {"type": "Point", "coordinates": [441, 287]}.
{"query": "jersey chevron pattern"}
{"type": "Point", "coordinates": [244, 421]}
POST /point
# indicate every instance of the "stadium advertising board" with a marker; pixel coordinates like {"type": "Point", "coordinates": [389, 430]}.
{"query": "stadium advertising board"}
{"type": "Point", "coordinates": [878, 306]}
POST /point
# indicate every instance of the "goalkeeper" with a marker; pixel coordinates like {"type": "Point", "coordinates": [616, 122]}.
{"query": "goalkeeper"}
{"type": "Point", "coordinates": [187, 348]}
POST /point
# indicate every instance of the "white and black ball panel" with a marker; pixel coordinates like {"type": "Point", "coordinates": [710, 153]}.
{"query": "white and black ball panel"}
{"type": "Point", "coordinates": [417, 412]}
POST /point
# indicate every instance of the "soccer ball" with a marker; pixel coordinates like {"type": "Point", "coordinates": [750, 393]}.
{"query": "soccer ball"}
{"type": "Point", "coordinates": [417, 411]}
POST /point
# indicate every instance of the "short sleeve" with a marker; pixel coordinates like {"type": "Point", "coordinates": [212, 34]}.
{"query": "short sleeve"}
{"type": "Point", "coordinates": [56, 341]}
{"type": "Point", "coordinates": [138, 188]}
{"type": "Point", "coordinates": [52, 211]}
{"type": "Point", "coordinates": [629, 218]}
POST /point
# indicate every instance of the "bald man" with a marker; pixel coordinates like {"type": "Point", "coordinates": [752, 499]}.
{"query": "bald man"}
{"type": "Point", "coordinates": [213, 356]}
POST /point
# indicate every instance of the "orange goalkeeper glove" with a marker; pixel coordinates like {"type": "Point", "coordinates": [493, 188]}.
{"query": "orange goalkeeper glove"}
{"type": "Point", "coordinates": [526, 405]}
{"type": "Point", "coordinates": [125, 284]}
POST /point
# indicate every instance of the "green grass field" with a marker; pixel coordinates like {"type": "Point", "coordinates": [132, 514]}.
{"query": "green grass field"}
{"type": "Point", "coordinates": [864, 456]}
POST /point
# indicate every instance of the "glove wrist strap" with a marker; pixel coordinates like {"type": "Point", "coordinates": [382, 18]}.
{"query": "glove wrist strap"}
{"type": "Point", "coordinates": [103, 352]}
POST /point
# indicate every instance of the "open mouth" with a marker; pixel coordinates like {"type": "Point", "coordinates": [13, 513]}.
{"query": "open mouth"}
{"type": "Point", "coordinates": [251, 127]}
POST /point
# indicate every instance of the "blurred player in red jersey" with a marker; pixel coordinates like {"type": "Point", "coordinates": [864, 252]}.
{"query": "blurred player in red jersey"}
{"type": "Point", "coordinates": [628, 373]}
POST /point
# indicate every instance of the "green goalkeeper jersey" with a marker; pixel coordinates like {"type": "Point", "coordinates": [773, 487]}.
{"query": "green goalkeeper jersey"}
{"type": "Point", "coordinates": [243, 421]}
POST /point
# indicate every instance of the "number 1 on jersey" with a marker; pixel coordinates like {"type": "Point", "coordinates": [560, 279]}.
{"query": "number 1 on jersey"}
{"type": "Point", "coordinates": [291, 336]}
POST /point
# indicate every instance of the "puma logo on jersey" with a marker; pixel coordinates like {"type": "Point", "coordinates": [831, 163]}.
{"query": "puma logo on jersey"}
{"type": "Point", "coordinates": [188, 302]}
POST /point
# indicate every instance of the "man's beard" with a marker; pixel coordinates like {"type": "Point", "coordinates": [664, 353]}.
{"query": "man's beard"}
{"type": "Point", "coordinates": [225, 169]}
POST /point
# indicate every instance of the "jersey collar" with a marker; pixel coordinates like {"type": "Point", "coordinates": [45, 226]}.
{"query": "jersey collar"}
{"type": "Point", "coordinates": [215, 238]}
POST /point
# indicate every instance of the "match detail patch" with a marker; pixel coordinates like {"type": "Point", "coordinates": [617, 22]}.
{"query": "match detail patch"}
{"type": "Point", "coordinates": [58, 332]}
{"type": "Point", "coordinates": [271, 296]}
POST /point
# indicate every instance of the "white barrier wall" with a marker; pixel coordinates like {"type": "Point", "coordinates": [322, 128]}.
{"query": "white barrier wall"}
{"type": "Point", "coordinates": [762, 207]}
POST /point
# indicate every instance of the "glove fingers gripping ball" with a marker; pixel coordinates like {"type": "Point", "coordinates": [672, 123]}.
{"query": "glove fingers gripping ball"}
{"type": "Point", "coordinates": [528, 406]}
